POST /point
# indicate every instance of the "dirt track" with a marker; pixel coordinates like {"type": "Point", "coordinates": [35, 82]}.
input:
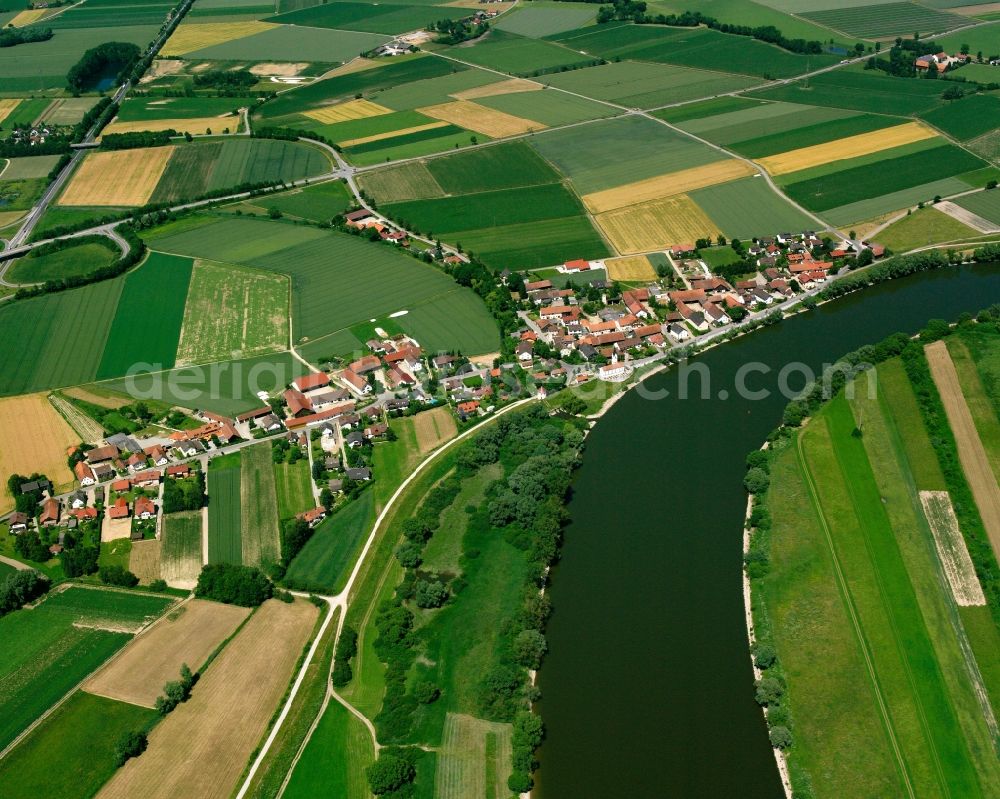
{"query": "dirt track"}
{"type": "Point", "coordinates": [971, 453]}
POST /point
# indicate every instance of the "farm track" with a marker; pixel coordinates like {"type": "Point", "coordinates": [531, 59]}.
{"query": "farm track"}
{"type": "Point", "coordinates": [971, 453]}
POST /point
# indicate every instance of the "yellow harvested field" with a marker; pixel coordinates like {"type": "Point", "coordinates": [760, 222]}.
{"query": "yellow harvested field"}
{"type": "Point", "coordinates": [28, 17]}
{"type": "Point", "coordinates": [631, 267]}
{"type": "Point", "coordinates": [144, 560]}
{"type": "Point", "coordinates": [849, 147]}
{"type": "Point", "coordinates": [191, 36]}
{"type": "Point", "coordinates": [192, 125]}
{"type": "Point", "coordinates": [280, 70]}
{"type": "Point", "coordinates": [481, 119]}
{"type": "Point", "coordinates": [951, 549]}
{"type": "Point", "coordinates": [390, 134]}
{"type": "Point", "coordinates": [512, 86]}
{"type": "Point", "coordinates": [7, 108]}
{"type": "Point", "coordinates": [202, 747]}
{"type": "Point", "coordinates": [119, 177]}
{"type": "Point", "coordinates": [114, 529]}
{"type": "Point", "coordinates": [33, 438]}
{"type": "Point", "coordinates": [666, 185]}
{"type": "Point", "coordinates": [433, 428]}
{"type": "Point", "coordinates": [971, 452]}
{"type": "Point", "coordinates": [656, 225]}
{"type": "Point", "coordinates": [187, 634]}
{"type": "Point", "coordinates": [352, 109]}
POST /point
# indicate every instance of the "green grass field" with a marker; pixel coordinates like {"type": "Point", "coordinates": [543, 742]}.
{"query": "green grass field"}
{"type": "Point", "coordinates": [967, 118]}
{"type": "Point", "coordinates": [757, 121]}
{"type": "Point", "coordinates": [868, 91]}
{"type": "Point", "coordinates": [141, 109]}
{"type": "Point", "coordinates": [46, 654]}
{"type": "Point", "coordinates": [225, 514]}
{"type": "Point", "coordinates": [643, 149]}
{"type": "Point", "coordinates": [318, 203]}
{"type": "Point", "coordinates": [887, 176]}
{"type": "Point", "coordinates": [45, 64]}
{"type": "Point", "coordinates": [549, 108]}
{"type": "Point", "coordinates": [293, 489]}
{"type": "Point", "coordinates": [887, 19]}
{"type": "Point", "coordinates": [61, 337]}
{"type": "Point", "coordinates": [75, 261]}
{"type": "Point", "coordinates": [259, 529]}
{"type": "Point", "coordinates": [706, 109]}
{"type": "Point", "coordinates": [502, 166]}
{"type": "Point", "coordinates": [316, 772]}
{"type": "Point", "coordinates": [84, 732]}
{"type": "Point", "coordinates": [692, 47]}
{"type": "Point", "coordinates": [327, 559]}
{"type": "Point", "coordinates": [412, 145]}
{"type": "Point", "coordinates": [197, 168]}
{"type": "Point", "coordinates": [134, 336]}
{"type": "Point", "coordinates": [519, 55]}
{"type": "Point", "coordinates": [233, 309]}
{"type": "Point", "coordinates": [457, 316]}
{"type": "Point", "coordinates": [181, 545]}
{"type": "Point", "coordinates": [504, 207]}
{"type": "Point", "coordinates": [230, 240]}
{"type": "Point", "coordinates": [534, 244]}
{"type": "Point", "coordinates": [229, 387]}
{"type": "Point", "coordinates": [922, 227]}
{"type": "Point", "coordinates": [371, 17]}
{"type": "Point", "coordinates": [984, 203]}
{"type": "Point", "coordinates": [854, 499]}
{"type": "Point", "coordinates": [645, 85]}
{"type": "Point", "coordinates": [822, 132]}
{"type": "Point", "coordinates": [749, 207]}
{"type": "Point", "coordinates": [29, 167]}
{"type": "Point", "coordinates": [537, 21]}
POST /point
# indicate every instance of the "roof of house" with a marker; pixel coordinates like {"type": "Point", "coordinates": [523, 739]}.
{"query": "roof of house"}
{"type": "Point", "coordinates": [102, 453]}
{"type": "Point", "coordinates": [244, 417]}
{"type": "Point", "coordinates": [144, 505]}
{"type": "Point", "coordinates": [310, 381]}
{"type": "Point", "coordinates": [119, 510]}
{"type": "Point", "coordinates": [297, 401]}
{"type": "Point", "coordinates": [83, 471]}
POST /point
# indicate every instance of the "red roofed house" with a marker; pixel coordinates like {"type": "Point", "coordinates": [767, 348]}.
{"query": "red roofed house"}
{"type": "Point", "coordinates": [102, 454]}
{"type": "Point", "coordinates": [369, 363]}
{"type": "Point", "coordinates": [311, 382]}
{"type": "Point", "coordinates": [145, 508]}
{"type": "Point", "coordinates": [147, 478]}
{"type": "Point", "coordinates": [356, 381]}
{"type": "Point", "coordinates": [119, 510]}
{"type": "Point", "coordinates": [178, 470]}
{"type": "Point", "coordinates": [538, 285]}
{"type": "Point", "coordinates": [50, 513]}
{"type": "Point", "coordinates": [579, 265]}
{"type": "Point", "coordinates": [313, 517]}
{"type": "Point", "coordinates": [468, 408]}
{"type": "Point", "coordinates": [84, 514]}
{"type": "Point", "coordinates": [298, 403]}
{"type": "Point", "coordinates": [84, 474]}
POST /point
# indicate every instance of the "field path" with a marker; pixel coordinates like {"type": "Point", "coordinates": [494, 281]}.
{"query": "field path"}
{"type": "Point", "coordinates": [853, 615]}
{"type": "Point", "coordinates": [16, 564]}
{"type": "Point", "coordinates": [971, 453]}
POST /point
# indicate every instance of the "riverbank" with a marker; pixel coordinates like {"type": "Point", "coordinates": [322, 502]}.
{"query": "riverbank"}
{"type": "Point", "coordinates": [779, 755]}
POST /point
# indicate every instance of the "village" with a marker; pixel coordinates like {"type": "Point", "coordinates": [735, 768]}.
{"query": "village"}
{"type": "Point", "coordinates": [571, 334]}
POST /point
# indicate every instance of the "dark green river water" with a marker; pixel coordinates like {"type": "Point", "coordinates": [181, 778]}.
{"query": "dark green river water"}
{"type": "Point", "coordinates": [647, 690]}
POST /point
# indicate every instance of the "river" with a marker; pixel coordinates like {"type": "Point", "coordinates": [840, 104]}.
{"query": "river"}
{"type": "Point", "coordinates": [647, 690]}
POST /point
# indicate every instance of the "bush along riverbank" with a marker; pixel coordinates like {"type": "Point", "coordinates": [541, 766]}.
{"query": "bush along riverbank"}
{"type": "Point", "coordinates": [771, 687]}
{"type": "Point", "coordinates": [464, 629]}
